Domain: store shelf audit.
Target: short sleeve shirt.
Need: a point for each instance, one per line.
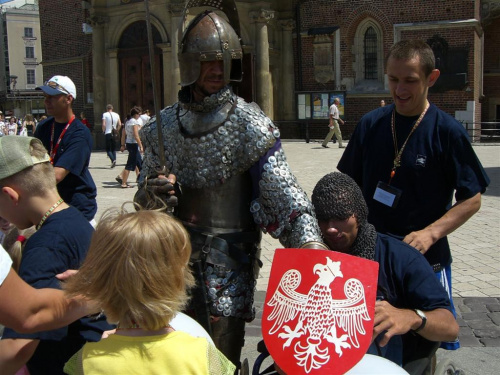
(77, 188)
(129, 129)
(406, 281)
(437, 161)
(111, 119)
(334, 111)
(60, 244)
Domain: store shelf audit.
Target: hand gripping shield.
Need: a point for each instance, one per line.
(319, 310)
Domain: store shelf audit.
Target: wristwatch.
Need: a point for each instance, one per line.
(421, 314)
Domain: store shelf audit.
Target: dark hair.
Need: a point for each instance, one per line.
(135, 111)
(337, 196)
(409, 49)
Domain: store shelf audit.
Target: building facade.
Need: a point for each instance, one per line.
(298, 55)
(21, 52)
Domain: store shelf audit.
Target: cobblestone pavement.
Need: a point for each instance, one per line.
(475, 250)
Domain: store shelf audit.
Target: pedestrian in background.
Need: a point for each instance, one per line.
(85, 121)
(133, 144)
(334, 124)
(111, 125)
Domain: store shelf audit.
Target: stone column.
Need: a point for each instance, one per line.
(114, 81)
(287, 91)
(337, 66)
(166, 69)
(98, 68)
(176, 10)
(262, 76)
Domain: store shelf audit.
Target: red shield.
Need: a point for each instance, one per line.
(319, 309)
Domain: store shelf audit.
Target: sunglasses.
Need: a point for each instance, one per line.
(56, 86)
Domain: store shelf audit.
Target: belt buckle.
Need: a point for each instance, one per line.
(208, 241)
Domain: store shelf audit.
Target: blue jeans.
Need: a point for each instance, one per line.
(110, 147)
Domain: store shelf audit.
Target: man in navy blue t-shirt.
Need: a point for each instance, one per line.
(69, 144)
(409, 159)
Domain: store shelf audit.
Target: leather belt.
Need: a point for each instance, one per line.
(221, 249)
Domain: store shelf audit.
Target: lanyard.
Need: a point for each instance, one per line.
(53, 149)
(397, 154)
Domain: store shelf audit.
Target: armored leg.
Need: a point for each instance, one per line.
(228, 334)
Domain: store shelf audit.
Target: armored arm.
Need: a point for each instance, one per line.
(282, 208)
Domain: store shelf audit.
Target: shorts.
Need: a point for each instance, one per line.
(444, 277)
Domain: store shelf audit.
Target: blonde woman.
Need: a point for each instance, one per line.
(137, 270)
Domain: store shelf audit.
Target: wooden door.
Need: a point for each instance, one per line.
(135, 73)
(136, 82)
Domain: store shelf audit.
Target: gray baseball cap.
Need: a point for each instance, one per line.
(15, 155)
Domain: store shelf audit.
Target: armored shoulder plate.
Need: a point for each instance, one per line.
(207, 159)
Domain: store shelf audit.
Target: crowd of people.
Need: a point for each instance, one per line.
(192, 242)
(24, 126)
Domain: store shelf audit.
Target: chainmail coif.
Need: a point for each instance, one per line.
(337, 196)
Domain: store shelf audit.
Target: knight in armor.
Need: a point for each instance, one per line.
(232, 180)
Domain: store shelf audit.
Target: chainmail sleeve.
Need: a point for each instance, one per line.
(282, 208)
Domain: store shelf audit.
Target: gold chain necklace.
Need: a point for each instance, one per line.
(397, 154)
(49, 212)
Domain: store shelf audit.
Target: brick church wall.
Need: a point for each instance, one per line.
(347, 15)
(66, 49)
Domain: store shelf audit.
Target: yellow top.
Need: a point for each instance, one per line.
(173, 353)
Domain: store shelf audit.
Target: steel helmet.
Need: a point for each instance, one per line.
(209, 37)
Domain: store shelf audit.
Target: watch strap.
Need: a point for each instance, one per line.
(421, 314)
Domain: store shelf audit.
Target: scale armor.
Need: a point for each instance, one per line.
(214, 144)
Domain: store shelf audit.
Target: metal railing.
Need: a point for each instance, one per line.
(483, 132)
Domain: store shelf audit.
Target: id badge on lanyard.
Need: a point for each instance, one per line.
(387, 194)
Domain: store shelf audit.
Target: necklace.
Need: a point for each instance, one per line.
(397, 154)
(49, 212)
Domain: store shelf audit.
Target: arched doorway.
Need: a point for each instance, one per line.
(135, 73)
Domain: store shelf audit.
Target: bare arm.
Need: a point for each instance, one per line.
(441, 324)
(15, 353)
(462, 211)
(60, 173)
(25, 309)
(103, 125)
(124, 138)
(137, 138)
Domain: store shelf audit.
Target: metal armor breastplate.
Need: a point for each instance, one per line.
(222, 209)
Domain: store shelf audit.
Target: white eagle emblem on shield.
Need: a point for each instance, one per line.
(323, 321)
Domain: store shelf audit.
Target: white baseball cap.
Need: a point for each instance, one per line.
(58, 85)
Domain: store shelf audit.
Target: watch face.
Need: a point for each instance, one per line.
(423, 317)
(421, 314)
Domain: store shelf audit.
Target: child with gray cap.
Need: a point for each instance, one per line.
(29, 196)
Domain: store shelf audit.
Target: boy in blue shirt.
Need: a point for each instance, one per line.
(29, 196)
